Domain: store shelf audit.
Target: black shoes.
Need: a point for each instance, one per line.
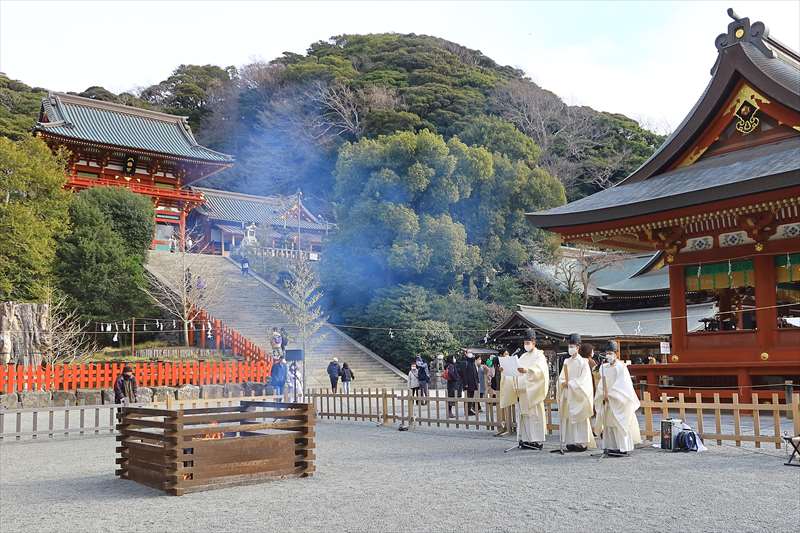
(571, 448)
(616, 453)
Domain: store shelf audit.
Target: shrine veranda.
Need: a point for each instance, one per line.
(378, 479)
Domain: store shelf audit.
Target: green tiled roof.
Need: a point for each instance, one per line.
(246, 208)
(113, 124)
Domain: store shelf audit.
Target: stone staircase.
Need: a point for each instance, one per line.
(247, 304)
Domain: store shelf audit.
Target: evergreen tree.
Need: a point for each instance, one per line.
(97, 269)
(33, 209)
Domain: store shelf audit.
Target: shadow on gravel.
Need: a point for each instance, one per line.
(90, 488)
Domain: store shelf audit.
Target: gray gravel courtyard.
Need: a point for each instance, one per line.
(378, 479)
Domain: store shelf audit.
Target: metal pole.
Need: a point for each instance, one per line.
(789, 384)
(133, 336)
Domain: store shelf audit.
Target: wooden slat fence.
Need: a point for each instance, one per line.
(761, 421)
(17, 378)
(86, 420)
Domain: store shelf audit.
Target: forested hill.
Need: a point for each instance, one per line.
(426, 153)
(285, 120)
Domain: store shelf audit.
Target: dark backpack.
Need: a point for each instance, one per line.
(686, 441)
(422, 374)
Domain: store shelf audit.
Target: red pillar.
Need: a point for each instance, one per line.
(217, 334)
(652, 383)
(182, 229)
(766, 299)
(677, 307)
(744, 382)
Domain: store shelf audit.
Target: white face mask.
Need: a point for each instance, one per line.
(529, 346)
(573, 350)
(611, 357)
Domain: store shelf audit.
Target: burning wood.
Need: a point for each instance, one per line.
(212, 435)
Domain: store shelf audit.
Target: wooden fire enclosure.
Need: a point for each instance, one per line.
(187, 450)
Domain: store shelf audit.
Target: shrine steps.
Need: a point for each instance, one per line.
(247, 304)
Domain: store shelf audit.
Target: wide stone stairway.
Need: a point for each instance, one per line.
(247, 304)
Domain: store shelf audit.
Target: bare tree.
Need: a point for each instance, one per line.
(67, 338)
(186, 288)
(341, 109)
(565, 133)
(304, 312)
(580, 265)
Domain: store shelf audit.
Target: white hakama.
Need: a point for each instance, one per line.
(531, 427)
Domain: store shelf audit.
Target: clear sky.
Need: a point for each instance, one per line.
(648, 60)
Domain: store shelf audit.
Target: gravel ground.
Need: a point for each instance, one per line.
(379, 479)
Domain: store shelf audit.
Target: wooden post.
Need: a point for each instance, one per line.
(217, 333)
(385, 408)
(133, 336)
(677, 307)
(796, 413)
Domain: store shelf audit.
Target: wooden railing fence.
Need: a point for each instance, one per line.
(209, 332)
(761, 421)
(87, 420)
(17, 378)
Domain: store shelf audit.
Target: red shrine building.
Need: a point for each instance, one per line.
(720, 201)
(150, 153)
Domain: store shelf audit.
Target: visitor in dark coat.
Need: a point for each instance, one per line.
(334, 371)
(453, 384)
(470, 379)
(125, 386)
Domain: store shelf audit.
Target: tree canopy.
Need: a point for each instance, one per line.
(100, 268)
(33, 213)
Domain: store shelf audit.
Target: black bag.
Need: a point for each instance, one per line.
(686, 441)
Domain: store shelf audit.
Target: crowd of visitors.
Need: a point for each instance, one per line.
(470, 377)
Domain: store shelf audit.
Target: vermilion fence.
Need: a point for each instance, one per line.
(15, 378)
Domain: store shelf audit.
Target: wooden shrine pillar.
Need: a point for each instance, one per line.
(182, 228)
(766, 299)
(677, 308)
(743, 382)
(217, 333)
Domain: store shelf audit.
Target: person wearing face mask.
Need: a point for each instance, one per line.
(528, 390)
(125, 387)
(575, 400)
(616, 403)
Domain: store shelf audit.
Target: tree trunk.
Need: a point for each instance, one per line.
(23, 332)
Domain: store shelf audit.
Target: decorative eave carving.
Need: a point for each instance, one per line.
(740, 30)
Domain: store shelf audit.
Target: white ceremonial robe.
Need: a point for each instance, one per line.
(616, 419)
(575, 402)
(528, 391)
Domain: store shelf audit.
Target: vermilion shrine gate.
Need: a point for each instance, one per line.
(151, 153)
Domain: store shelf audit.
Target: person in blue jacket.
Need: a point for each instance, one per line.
(278, 379)
(334, 371)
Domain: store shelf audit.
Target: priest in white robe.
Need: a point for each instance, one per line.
(528, 390)
(617, 404)
(575, 396)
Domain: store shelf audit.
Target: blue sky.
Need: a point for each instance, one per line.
(649, 60)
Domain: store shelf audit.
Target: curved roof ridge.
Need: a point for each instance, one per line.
(118, 108)
(745, 52)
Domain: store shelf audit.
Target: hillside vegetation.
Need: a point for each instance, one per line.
(427, 154)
